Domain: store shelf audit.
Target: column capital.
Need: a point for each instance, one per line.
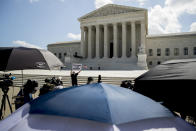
(81, 27)
(90, 26)
(133, 22)
(142, 22)
(115, 24)
(124, 22)
(97, 26)
(105, 25)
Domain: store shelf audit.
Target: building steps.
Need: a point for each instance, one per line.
(67, 79)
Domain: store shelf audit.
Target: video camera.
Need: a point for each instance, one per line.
(30, 86)
(51, 84)
(127, 84)
(6, 81)
(54, 81)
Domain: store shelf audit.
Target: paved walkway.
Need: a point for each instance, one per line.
(92, 73)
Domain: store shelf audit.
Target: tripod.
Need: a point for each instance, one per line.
(3, 101)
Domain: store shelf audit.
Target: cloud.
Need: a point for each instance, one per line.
(193, 26)
(163, 20)
(100, 3)
(141, 2)
(25, 44)
(166, 19)
(182, 6)
(74, 36)
(32, 1)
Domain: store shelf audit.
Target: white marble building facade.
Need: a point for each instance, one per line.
(116, 37)
(113, 31)
(113, 34)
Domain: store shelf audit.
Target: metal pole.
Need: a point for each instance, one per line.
(22, 83)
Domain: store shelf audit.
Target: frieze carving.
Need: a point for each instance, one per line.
(110, 11)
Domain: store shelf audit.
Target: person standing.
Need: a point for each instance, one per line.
(90, 80)
(74, 77)
(99, 79)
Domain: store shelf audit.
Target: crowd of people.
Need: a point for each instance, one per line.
(51, 84)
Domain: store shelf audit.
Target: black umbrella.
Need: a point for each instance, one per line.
(173, 83)
(20, 58)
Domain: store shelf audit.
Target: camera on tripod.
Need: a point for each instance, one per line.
(5, 82)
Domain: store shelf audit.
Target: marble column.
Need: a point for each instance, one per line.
(143, 36)
(115, 37)
(124, 40)
(97, 41)
(82, 46)
(106, 43)
(89, 42)
(133, 41)
(86, 42)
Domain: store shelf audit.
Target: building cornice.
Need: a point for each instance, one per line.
(171, 35)
(65, 42)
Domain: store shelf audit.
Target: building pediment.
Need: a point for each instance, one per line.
(111, 9)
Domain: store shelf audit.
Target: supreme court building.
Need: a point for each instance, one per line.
(115, 37)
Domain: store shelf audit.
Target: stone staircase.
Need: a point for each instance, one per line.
(67, 80)
(107, 63)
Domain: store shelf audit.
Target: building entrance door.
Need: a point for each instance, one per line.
(111, 49)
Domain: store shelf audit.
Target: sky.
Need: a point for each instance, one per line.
(37, 23)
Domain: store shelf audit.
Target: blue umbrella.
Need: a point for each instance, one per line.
(89, 105)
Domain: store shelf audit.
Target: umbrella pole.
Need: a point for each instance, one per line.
(22, 82)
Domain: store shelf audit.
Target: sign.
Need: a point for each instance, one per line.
(76, 66)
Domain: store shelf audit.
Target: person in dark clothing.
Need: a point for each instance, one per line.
(74, 78)
(99, 79)
(25, 95)
(90, 80)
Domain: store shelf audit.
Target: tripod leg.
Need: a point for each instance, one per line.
(2, 107)
(9, 103)
(4, 103)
